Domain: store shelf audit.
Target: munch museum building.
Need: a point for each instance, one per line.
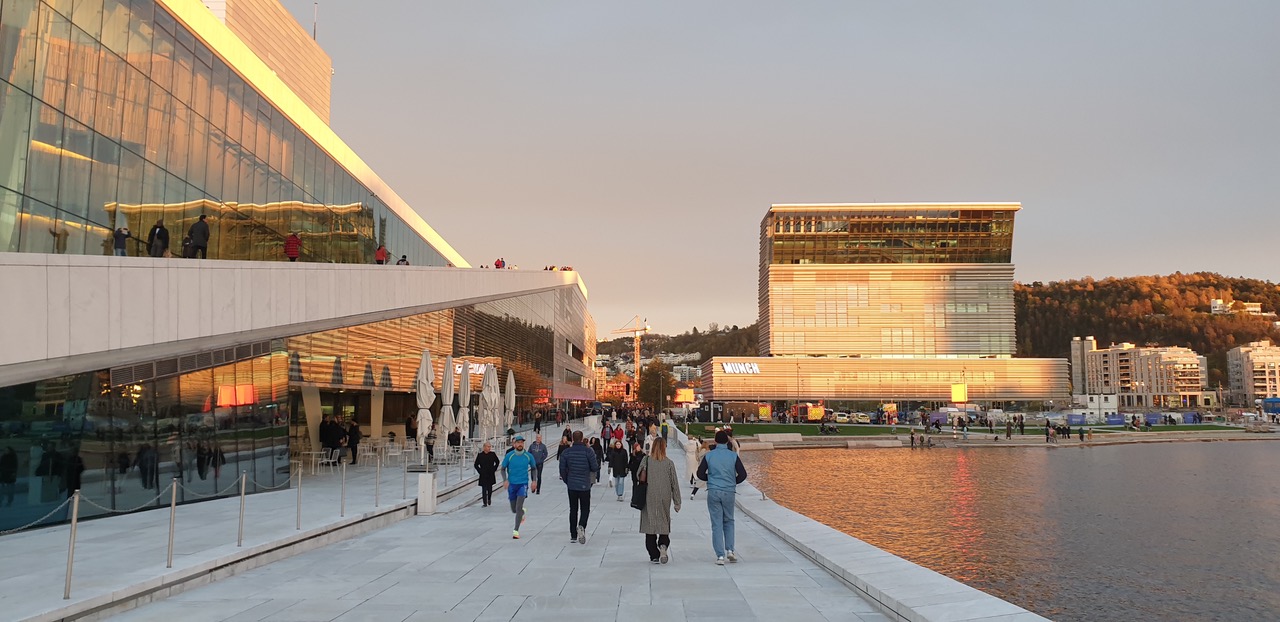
(123, 364)
(886, 302)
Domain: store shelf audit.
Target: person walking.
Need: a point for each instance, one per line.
(596, 447)
(539, 453)
(518, 467)
(353, 439)
(199, 233)
(119, 241)
(694, 452)
(537, 423)
(292, 246)
(380, 256)
(663, 490)
(487, 466)
(577, 465)
(722, 470)
(618, 460)
(158, 239)
(411, 428)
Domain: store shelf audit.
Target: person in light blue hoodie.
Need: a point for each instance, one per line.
(722, 470)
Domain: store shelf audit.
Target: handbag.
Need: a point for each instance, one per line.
(640, 491)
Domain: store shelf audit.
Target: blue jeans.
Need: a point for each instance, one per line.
(720, 507)
(119, 252)
(619, 483)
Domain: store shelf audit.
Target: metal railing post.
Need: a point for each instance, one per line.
(404, 483)
(377, 483)
(298, 525)
(240, 534)
(173, 517)
(71, 545)
(342, 508)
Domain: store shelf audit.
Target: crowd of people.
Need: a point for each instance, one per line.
(633, 448)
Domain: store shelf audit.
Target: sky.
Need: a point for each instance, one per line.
(643, 142)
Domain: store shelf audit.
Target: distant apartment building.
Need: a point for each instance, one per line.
(1079, 348)
(687, 373)
(669, 358)
(1145, 377)
(1218, 306)
(1253, 372)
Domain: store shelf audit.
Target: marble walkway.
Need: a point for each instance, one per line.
(464, 565)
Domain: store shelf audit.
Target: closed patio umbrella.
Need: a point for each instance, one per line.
(490, 402)
(447, 422)
(464, 400)
(511, 398)
(425, 386)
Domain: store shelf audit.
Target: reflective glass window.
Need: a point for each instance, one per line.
(201, 84)
(103, 180)
(179, 139)
(77, 156)
(199, 150)
(87, 15)
(162, 57)
(218, 95)
(19, 20)
(140, 35)
(159, 116)
(130, 180)
(133, 130)
(15, 127)
(214, 164)
(44, 154)
(115, 26)
(110, 107)
(10, 219)
(38, 231)
(71, 235)
(52, 58)
(82, 76)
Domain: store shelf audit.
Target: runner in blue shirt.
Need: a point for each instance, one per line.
(517, 465)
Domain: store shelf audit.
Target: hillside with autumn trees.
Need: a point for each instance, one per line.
(1168, 310)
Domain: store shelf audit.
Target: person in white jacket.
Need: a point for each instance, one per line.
(694, 450)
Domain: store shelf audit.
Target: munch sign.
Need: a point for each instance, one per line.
(740, 368)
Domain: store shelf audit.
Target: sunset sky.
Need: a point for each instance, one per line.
(642, 142)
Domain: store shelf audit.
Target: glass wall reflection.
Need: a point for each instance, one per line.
(123, 444)
(113, 115)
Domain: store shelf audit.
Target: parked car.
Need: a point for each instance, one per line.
(842, 417)
(861, 418)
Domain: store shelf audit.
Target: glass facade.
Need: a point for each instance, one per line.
(887, 234)
(113, 114)
(122, 441)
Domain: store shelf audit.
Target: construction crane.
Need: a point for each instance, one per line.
(636, 328)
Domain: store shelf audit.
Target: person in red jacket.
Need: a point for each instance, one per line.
(380, 255)
(292, 246)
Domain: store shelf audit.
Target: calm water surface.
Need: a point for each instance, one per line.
(1177, 531)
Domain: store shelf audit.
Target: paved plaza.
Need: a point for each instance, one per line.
(464, 565)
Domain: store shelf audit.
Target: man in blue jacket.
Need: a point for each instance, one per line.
(539, 453)
(722, 470)
(518, 465)
(577, 465)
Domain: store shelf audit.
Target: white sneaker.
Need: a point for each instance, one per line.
(720, 561)
(733, 558)
(582, 537)
(663, 557)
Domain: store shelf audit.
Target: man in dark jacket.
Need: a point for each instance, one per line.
(158, 239)
(539, 452)
(200, 238)
(577, 464)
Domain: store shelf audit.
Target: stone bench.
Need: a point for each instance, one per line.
(781, 437)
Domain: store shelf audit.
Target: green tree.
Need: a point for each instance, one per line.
(657, 385)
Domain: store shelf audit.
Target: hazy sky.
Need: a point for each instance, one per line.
(643, 141)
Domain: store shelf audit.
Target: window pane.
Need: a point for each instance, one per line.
(140, 35)
(18, 23)
(179, 140)
(46, 145)
(103, 180)
(110, 95)
(68, 233)
(218, 97)
(37, 228)
(82, 78)
(133, 129)
(77, 147)
(158, 116)
(115, 26)
(183, 67)
(10, 213)
(52, 58)
(200, 95)
(15, 130)
(162, 57)
(87, 14)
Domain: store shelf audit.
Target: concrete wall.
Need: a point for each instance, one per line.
(71, 313)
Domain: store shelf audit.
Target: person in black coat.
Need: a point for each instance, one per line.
(353, 439)
(158, 239)
(637, 457)
(599, 449)
(618, 464)
(487, 466)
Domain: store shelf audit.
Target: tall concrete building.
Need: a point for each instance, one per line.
(1080, 348)
(1253, 372)
(884, 301)
(127, 361)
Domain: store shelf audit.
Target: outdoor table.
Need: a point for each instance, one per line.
(313, 457)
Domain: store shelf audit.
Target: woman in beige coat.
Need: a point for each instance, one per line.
(695, 449)
(664, 489)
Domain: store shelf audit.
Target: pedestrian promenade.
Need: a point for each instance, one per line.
(122, 557)
(464, 565)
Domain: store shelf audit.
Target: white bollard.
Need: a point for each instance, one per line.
(426, 493)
